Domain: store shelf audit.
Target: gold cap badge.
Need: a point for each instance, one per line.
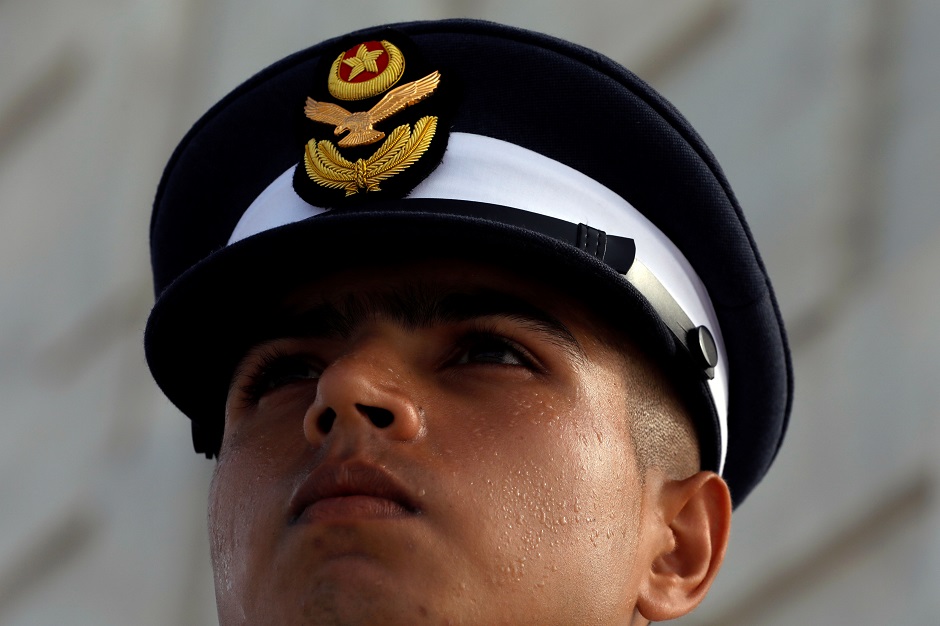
(364, 71)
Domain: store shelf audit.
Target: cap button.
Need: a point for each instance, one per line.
(703, 349)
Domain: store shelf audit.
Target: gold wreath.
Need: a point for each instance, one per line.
(327, 167)
(377, 84)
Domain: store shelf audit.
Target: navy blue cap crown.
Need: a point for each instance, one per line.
(323, 120)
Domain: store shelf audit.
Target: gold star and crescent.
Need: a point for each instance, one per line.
(365, 70)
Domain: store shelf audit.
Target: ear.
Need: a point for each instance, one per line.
(692, 519)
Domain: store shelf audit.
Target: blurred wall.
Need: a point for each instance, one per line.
(825, 116)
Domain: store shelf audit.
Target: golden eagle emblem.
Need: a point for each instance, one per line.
(360, 124)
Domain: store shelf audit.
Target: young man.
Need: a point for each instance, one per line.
(474, 326)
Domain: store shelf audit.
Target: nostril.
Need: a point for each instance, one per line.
(380, 418)
(325, 421)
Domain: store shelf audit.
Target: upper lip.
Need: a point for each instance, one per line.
(351, 478)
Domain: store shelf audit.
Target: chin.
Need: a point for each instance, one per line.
(348, 592)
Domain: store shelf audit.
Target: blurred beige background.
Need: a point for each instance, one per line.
(825, 116)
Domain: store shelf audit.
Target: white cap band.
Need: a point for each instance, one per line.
(483, 169)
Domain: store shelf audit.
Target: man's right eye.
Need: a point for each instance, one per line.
(274, 371)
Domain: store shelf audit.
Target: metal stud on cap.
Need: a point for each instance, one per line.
(703, 349)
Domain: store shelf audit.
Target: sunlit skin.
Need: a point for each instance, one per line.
(507, 433)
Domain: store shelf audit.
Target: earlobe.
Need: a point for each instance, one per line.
(693, 519)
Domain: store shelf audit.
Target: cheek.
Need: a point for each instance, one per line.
(242, 512)
(221, 541)
(549, 491)
(229, 522)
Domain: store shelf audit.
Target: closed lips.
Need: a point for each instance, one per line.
(351, 490)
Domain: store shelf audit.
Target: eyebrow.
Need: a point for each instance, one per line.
(417, 306)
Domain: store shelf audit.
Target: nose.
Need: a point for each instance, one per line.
(363, 393)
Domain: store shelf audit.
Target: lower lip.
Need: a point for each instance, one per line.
(350, 508)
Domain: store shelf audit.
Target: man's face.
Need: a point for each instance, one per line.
(444, 444)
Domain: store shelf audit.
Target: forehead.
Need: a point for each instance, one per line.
(410, 290)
